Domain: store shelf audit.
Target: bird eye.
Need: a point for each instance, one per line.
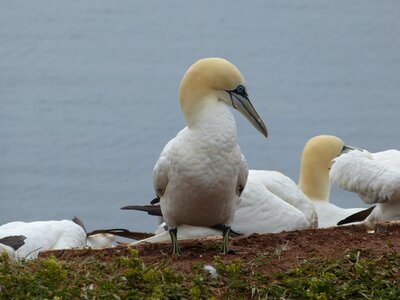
(240, 89)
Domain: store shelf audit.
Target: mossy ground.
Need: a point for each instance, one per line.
(355, 274)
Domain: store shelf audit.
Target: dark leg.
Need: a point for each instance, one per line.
(175, 248)
(225, 239)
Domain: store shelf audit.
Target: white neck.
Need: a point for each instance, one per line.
(214, 119)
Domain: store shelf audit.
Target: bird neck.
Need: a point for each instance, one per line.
(210, 117)
(314, 181)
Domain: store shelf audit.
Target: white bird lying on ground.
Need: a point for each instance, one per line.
(314, 181)
(44, 235)
(272, 202)
(27, 239)
(375, 177)
(201, 172)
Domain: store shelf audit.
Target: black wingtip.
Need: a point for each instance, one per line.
(123, 233)
(78, 221)
(153, 210)
(156, 200)
(13, 241)
(357, 217)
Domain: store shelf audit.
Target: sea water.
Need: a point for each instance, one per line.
(89, 92)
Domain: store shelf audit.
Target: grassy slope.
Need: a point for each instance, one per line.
(354, 275)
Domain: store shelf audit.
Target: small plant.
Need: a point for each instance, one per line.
(280, 249)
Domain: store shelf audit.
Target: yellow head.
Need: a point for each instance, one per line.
(316, 161)
(216, 79)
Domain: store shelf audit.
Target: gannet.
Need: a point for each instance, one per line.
(44, 235)
(272, 202)
(375, 177)
(27, 239)
(201, 172)
(314, 181)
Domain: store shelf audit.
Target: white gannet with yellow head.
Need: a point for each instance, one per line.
(201, 172)
(316, 161)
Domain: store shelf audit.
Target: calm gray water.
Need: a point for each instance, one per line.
(89, 92)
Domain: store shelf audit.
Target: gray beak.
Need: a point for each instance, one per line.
(243, 105)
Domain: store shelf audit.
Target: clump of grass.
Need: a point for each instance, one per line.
(125, 277)
(350, 277)
(355, 275)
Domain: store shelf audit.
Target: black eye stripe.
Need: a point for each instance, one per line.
(233, 103)
(240, 90)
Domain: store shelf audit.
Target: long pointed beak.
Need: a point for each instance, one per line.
(244, 106)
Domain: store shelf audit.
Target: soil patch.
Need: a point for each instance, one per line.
(289, 249)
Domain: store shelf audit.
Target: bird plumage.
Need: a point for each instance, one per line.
(375, 177)
(44, 235)
(201, 172)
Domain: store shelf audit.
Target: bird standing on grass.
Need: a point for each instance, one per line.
(201, 172)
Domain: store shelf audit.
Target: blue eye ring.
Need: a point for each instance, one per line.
(240, 89)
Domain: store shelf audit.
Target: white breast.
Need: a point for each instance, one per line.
(202, 166)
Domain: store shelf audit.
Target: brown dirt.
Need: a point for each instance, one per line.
(289, 248)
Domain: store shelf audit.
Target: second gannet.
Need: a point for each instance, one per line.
(314, 181)
(44, 235)
(27, 239)
(201, 172)
(375, 177)
(272, 202)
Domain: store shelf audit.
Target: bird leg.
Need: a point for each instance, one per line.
(225, 239)
(174, 239)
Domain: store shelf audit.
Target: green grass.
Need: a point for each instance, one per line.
(346, 278)
(355, 275)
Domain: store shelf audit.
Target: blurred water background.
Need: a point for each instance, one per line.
(89, 92)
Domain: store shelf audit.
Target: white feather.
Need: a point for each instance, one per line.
(45, 235)
(375, 177)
